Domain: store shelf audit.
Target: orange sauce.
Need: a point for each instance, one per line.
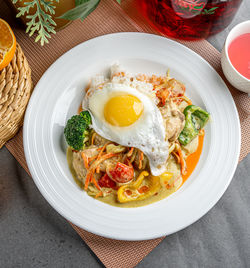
(193, 159)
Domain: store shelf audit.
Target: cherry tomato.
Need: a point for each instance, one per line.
(121, 173)
(106, 182)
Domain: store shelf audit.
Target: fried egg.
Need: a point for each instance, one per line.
(129, 117)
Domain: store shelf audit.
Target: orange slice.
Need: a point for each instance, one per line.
(7, 44)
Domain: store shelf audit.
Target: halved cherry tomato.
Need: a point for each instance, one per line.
(121, 173)
(106, 182)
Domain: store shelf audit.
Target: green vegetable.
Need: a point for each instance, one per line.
(41, 22)
(77, 130)
(86, 116)
(40, 15)
(196, 119)
(81, 11)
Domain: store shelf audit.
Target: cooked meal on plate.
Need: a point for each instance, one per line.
(136, 139)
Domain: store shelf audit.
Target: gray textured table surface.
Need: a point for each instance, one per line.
(32, 234)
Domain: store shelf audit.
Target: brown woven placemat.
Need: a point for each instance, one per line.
(113, 253)
(15, 91)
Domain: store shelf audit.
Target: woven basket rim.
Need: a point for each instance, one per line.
(15, 90)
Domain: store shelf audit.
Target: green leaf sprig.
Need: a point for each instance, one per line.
(41, 22)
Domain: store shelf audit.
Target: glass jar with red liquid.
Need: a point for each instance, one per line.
(189, 19)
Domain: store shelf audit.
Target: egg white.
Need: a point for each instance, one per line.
(146, 134)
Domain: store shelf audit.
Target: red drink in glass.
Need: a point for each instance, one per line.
(189, 19)
(239, 54)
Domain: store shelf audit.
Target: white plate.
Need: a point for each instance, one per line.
(57, 97)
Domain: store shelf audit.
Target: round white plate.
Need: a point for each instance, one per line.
(57, 97)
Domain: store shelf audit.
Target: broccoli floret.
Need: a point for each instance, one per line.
(77, 130)
(87, 117)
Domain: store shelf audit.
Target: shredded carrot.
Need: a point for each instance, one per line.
(93, 138)
(98, 169)
(102, 150)
(101, 159)
(140, 160)
(93, 166)
(91, 177)
(130, 152)
(99, 194)
(182, 162)
(132, 158)
(201, 132)
(99, 155)
(85, 160)
(88, 177)
(177, 157)
(95, 183)
(92, 158)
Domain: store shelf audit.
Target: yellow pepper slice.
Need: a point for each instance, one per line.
(134, 195)
(165, 178)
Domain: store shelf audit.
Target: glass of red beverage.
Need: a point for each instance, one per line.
(189, 19)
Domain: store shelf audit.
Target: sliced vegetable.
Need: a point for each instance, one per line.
(134, 191)
(102, 150)
(93, 166)
(99, 194)
(140, 160)
(196, 118)
(121, 173)
(93, 138)
(85, 160)
(177, 157)
(112, 148)
(95, 183)
(165, 177)
(106, 182)
(130, 152)
(182, 162)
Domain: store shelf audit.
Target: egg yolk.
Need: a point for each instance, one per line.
(123, 110)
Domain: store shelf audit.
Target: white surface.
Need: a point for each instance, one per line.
(60, 91)
(233, 76)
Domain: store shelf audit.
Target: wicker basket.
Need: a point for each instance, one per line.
(15, 90)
